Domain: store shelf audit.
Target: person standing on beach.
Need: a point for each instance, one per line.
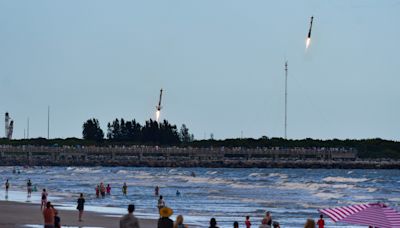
(57, 220)
(48, 215)
(129, 220)
(164, 221)
(29, 187)
(321, 222)
(44, 199)
(80, 207)
(124, 189)
(213, 223)
(179, 222)
(160, 203)
(7, 186)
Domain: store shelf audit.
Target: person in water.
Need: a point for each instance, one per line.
(178, 193)
(124, 189)
(156, 190)
(102, 190)
(97, 191)
(108, 189)
(7, 186)
(160, 203)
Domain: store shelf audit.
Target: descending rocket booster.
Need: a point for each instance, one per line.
(158, 107)
(309, 31)
(308, 40)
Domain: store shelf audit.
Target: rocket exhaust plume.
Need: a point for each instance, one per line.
(308, 40)
(157, 115)
(158, 107)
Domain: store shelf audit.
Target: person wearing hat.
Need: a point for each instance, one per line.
(165, 221)
(129, 220)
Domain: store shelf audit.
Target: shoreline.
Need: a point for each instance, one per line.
(20, 214)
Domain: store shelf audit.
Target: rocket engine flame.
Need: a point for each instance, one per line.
(157, 115)
(308, 41)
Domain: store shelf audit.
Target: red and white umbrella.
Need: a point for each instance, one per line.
(373, 214)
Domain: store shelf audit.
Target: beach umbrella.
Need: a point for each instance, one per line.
(372, 214)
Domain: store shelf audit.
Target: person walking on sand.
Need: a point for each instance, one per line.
(29, 187)
(80, 207)
(44, 199)
(7, 186)
(124, 189)
(129, 220)
(48, 216)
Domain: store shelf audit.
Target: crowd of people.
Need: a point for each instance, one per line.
(130, 221)
(51, 218)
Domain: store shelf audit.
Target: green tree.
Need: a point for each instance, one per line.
(184, 134)
(92, 131)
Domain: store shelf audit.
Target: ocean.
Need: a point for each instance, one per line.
(291, 195)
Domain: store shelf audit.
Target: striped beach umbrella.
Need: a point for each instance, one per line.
(373, 214)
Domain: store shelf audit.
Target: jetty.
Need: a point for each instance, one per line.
(154, 156)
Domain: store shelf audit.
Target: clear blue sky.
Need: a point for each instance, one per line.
(220, 63)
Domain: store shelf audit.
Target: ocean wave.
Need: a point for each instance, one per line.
(327, 196)
(344, 179)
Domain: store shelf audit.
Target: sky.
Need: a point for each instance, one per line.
(220, 64)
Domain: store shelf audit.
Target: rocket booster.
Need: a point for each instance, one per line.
(159, 101)
(309, 31)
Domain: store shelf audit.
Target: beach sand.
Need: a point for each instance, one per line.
(15, 214)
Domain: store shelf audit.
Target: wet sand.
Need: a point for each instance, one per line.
(15, 214)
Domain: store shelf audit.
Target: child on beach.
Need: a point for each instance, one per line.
(44, 199)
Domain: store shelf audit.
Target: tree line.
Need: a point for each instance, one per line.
(152, 132)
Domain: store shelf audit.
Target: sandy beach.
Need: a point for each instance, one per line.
(16, 214)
